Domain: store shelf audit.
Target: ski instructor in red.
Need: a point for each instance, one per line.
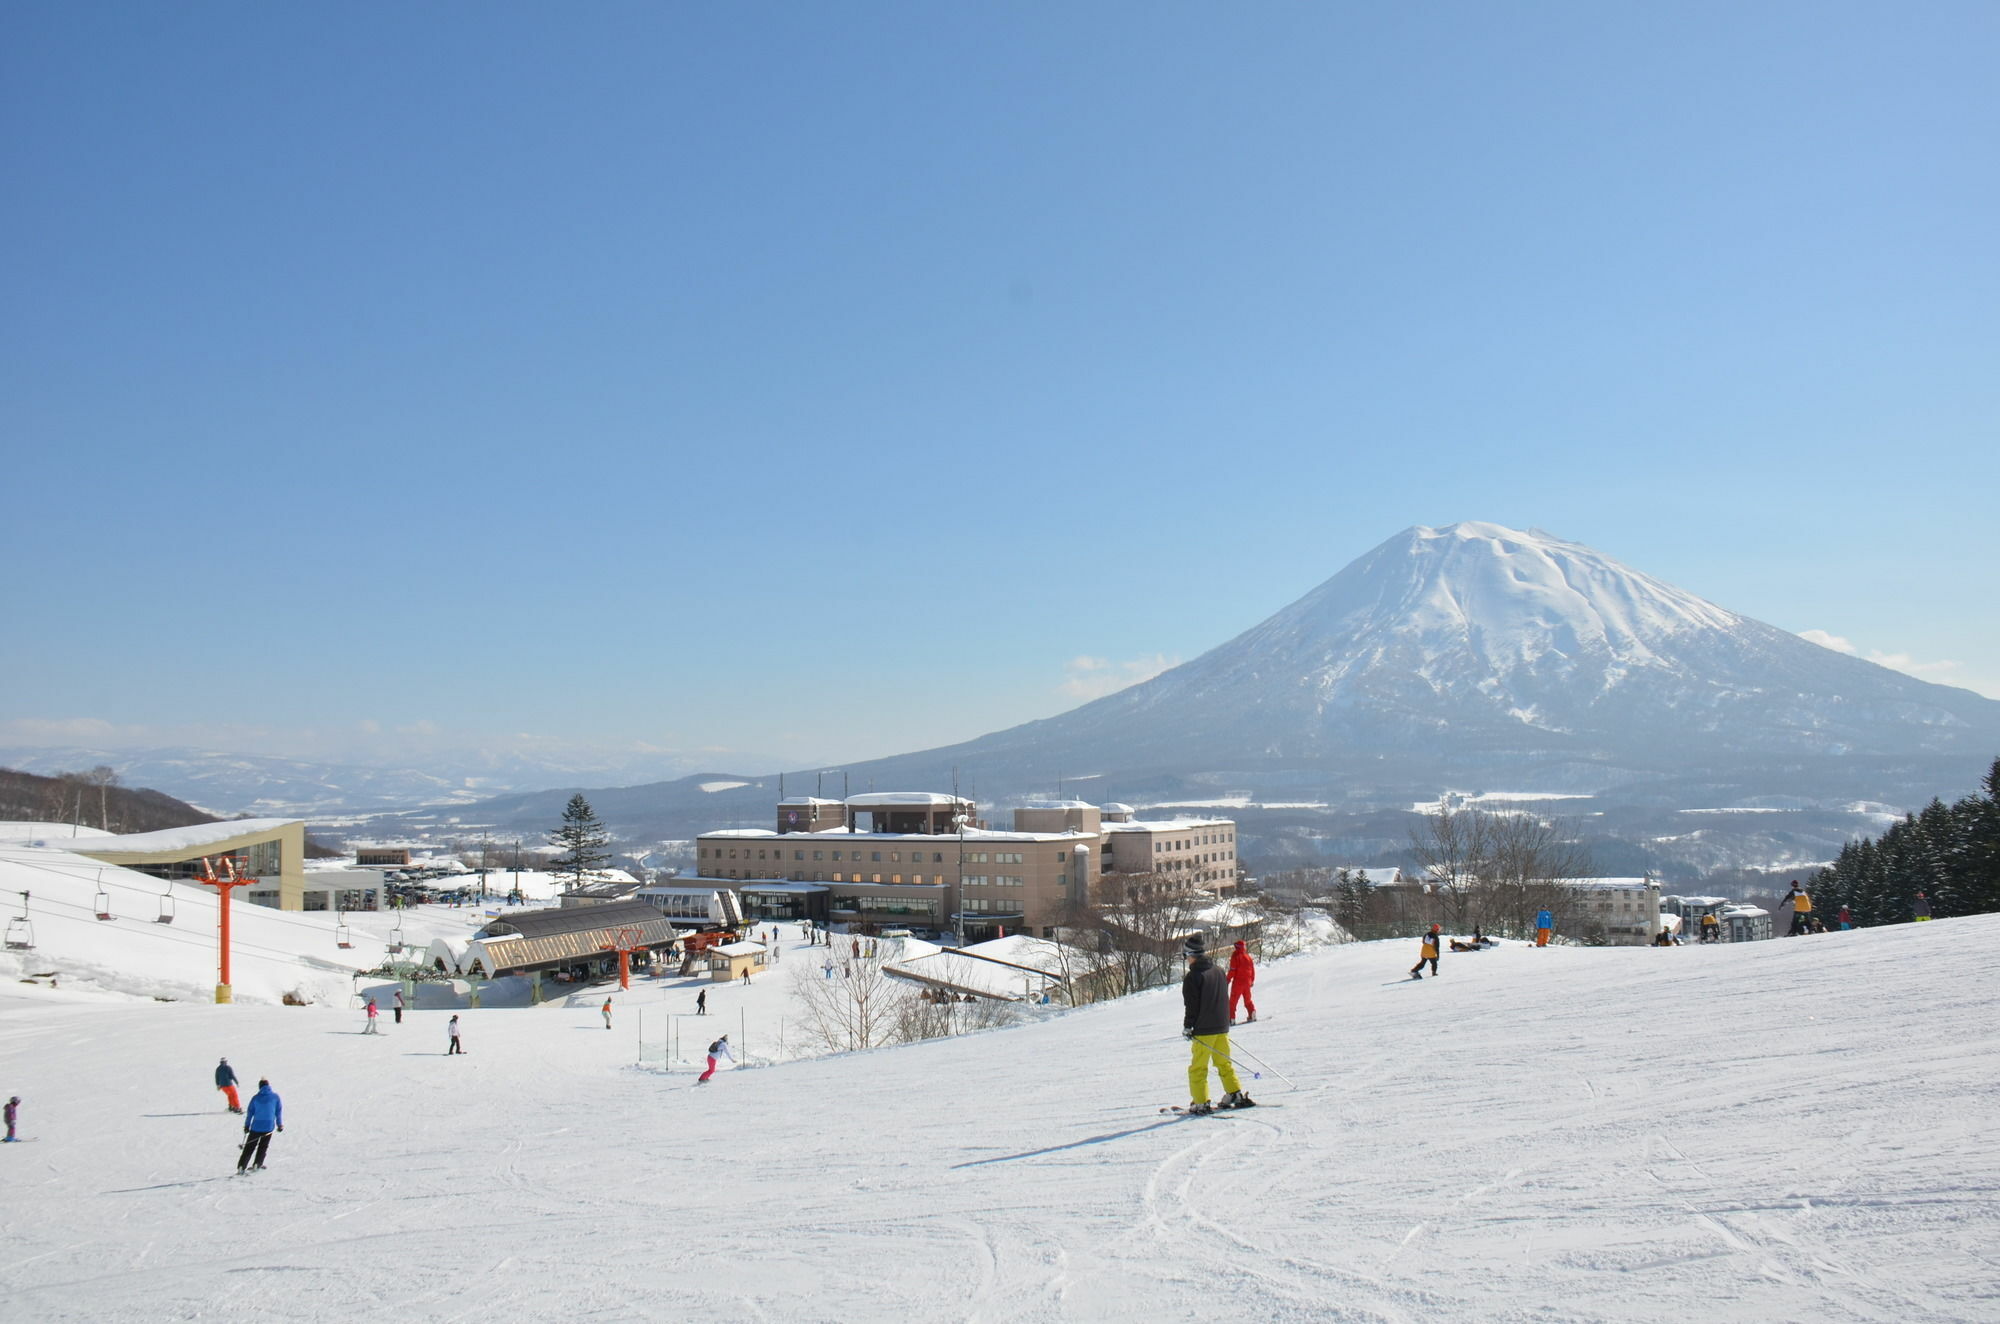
(1242, 974)
(1205, 1023)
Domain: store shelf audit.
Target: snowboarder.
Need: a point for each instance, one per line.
(1923, 909)
(398, 1009)
(373, 1028)
(267, 1114)
(701, 1003)
(1242, 974)
(451, 1029)
(607, 1013)
(1545, 924)
(720, 1048)
(1801, 910)
(1205, 1025)
(1711, 928)
(1428, 952)
(12, 1113)
(225, 1080)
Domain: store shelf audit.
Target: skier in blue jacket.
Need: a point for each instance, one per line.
(265, 1115)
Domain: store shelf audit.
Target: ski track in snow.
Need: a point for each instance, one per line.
(1547, 1137)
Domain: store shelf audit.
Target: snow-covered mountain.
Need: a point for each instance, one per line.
(1478, 655)
(1469, 658)
(1476, 638)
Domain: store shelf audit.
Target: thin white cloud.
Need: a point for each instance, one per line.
(1942, 672)
(1825, 640)
(1094, 677)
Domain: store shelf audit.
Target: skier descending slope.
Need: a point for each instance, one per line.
(718, 1049)
(266, 1114)
(1205, 1024)
(1242, 974)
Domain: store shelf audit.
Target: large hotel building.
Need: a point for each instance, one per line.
(925, 861)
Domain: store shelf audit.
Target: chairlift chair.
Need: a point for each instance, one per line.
(396, 938)
(166, 915)
(341, 937)
(20, 933)
(103, 903)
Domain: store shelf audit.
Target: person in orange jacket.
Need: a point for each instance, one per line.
(1428, 952)
(1242, 974)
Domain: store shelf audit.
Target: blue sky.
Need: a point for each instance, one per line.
(382, 377)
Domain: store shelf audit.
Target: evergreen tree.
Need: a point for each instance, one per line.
(1949, 852)
(582, 840)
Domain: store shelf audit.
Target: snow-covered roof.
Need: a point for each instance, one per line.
(1621, 883)
(969, 971)
(744, 948)
(190, 838)
(53, 833)
(806, 800)
(1058, 804)
(883, 798)
(750, 832)
(1167, 824)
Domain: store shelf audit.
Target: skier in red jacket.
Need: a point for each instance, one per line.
(1242, 974)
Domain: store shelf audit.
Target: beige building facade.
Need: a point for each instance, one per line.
(924, 860)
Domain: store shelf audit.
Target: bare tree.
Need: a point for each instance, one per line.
(859, 1006)
(1452, 846)
(1492, 872)
(1136, 928)
(104, 778)
(1531, 863)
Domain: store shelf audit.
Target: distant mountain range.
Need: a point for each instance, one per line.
(262, 785)
(1474, 659)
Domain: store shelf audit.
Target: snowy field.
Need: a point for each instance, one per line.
(1558, 1135)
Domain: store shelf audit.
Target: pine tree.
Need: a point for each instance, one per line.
(1949, 852)
(582, 840)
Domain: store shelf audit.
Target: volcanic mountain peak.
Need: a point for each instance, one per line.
(1507, 597)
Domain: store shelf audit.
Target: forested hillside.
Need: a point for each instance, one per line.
(1951, 853)
(92, 799)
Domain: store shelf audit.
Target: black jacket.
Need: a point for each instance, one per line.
(1205, 998)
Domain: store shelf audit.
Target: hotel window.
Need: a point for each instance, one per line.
(817, 855)
(876, 856)
(798, 855)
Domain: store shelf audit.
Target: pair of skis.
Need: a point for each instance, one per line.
(1182, 1111)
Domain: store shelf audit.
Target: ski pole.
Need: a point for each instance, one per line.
(1233, 1049)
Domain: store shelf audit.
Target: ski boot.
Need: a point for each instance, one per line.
(1202, 1109)
(1237, 1099)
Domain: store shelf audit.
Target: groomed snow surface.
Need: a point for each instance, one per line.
(1797, 1130)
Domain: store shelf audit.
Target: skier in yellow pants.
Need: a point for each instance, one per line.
(1205, 1023)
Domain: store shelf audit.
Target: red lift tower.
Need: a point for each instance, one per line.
(223, 883)
(628, 942)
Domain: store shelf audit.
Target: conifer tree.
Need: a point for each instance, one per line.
(583, 841)
(1949, 852)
